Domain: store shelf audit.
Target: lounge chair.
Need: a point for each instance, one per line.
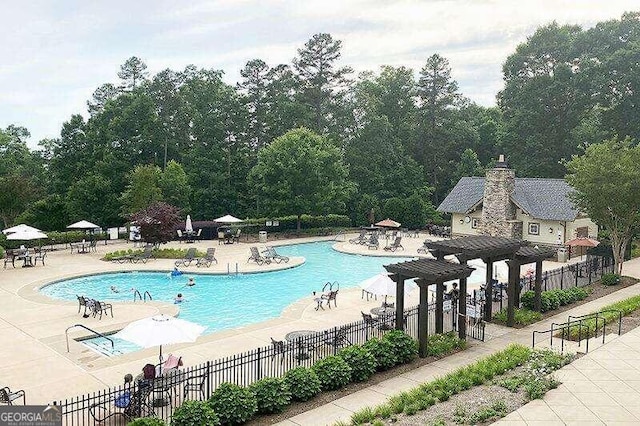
(257, 257)
(395, 245)
(207, 259)
(144, 256)
(373, 242)
(7, 397)
(189, 257)
(138, 406)
(424, 249)
(360, 238)
(271, 253)
(98, 307)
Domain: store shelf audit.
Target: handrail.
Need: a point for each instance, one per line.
(619, 312)
(146, 293)
(66, 333)
(595, 315)
(564, 327)
(136, 292)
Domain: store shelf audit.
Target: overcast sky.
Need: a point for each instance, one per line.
(56, 53)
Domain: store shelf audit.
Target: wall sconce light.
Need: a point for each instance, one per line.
(461, 221)
(551, 230)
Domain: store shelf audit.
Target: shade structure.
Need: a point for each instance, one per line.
(227, 219)
(583, 242)
(160, 330)
(19, 228)
(388, 223)
(26, 235)
(383, 285)
(83, 224)
(188, 226)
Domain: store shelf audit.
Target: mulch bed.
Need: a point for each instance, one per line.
(597, 291)
(327, 397)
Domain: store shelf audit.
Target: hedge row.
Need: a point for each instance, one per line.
(610, 313)
(553, 299)
(306, 222)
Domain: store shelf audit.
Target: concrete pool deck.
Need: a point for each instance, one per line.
(32, 326)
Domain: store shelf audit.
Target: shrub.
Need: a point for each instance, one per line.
(610, 279)
(147, 421)
(333, 372)
(361, 361)
(194, 413)
(383, 352)
(442, 344)
(233, 404)
(552, 299)
(625, 306)
(405, 348)
(303, 383)
(522, 316)
(272, 395)
(1, 252)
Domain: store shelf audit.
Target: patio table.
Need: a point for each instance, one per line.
(27, 260)
(297, 337)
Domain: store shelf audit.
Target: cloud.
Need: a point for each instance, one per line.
(56, 54)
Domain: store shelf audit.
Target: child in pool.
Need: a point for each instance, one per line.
(114, 289)
(191, 282)
(178, 298)
(176, 272)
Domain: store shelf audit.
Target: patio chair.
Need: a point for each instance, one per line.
(39, 255)
(10, 257)
(165, 386)
(208, 258)
(369, 320)
(274, 256)
(279, 348)
(195, 384)
(236, 236)
(395, 245)
(332, 295)
(189, 257)
(138, 406)
(360, 238)
(257, 257)
(424, 249)
(373, 242)
(83, 302)
(7, 397)
(144, 256)
(198, 234)
(100, 307)
(180, 236)
(338, 338)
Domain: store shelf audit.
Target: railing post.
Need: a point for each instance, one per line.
(209, 379)
(259, 366)
(561, 276)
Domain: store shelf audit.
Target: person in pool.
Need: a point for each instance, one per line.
(191, 282)
(176, 272)
(178, 298)
(114, 289)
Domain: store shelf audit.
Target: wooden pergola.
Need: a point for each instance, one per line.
(426, 272)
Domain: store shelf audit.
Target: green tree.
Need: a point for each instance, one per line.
(91, 197)
(133, 72)
(49, 213)
(300, 173)
(469, 165)
(101, 96)
(143, 189)
(255, 83)
(394, 208)
(175, 186)
(607, 183)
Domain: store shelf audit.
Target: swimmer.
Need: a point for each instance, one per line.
(114, 289)
(178, 298)
(176, 272)
(191, 282)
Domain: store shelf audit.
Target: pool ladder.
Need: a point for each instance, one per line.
(143, 298)
(66, 333)
(229, 269)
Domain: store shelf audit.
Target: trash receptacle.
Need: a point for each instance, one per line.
(262, 236)
(562, 254)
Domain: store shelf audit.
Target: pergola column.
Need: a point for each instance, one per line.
(488, 292)
(462, 306)
(423, 318)
(537, 300)
(439, 307)
(399, 279)
(512, 288)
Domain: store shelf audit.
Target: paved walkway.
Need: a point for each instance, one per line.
(498, 338)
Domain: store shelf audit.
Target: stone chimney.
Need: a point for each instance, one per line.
(498, 212)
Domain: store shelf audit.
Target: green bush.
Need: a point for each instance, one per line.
(272, 395)
(306, 222)
(194, 413)
(1, 252)
(147, 421)
(405, 348)
(610, 279)
(522, 316)
(164, 253)
(233, 404)
(333, 372)
(442, 344)
(383, 352)
(625, 306)
(361, 361)
(303, 383)
(552, 299)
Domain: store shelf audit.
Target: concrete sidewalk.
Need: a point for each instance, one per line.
(497, 338)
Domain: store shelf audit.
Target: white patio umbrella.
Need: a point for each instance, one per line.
(160, 330)
(26, 235)
(83, 224)
(228, 219)
(188, 226)
(19, 228)
(383, 285)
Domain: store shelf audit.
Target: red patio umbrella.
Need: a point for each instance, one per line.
(388, 223)
(582, 242)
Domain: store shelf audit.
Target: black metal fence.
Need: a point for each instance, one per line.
(159, 397)
(575, 275)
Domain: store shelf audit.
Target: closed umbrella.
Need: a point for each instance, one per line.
(188, 226)
(383, 285)
(388, 223)
(19, 228)
(227, 219)
(160, 330)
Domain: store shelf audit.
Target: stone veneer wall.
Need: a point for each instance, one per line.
(497, 208)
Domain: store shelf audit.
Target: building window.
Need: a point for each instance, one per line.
(534, 229)
(475, 223)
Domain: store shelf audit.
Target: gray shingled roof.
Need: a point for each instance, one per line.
(541, 198)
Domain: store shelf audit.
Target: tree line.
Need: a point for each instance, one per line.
(312, 137)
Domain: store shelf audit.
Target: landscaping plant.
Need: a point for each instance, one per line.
(272, 395)
(361, 361)
(610, 279)
(442, 344)
(522, 316)
(383, 352)
(194, 413)
(610, 313)
(233, 404)
(303, 383)
(333, 372)
(405, 348)
(147, 421)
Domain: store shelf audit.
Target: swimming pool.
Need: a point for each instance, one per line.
(221, 302)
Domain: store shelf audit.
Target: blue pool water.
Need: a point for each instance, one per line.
(222, 302)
